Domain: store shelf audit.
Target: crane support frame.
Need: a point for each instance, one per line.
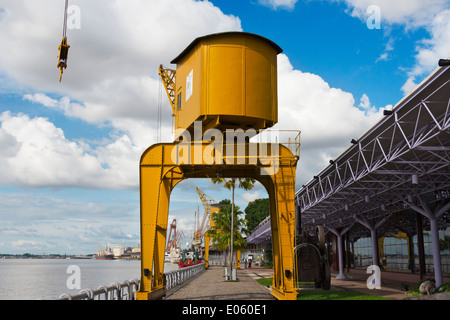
(224, 82)
(160, 173)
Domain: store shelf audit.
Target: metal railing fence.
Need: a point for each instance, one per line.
(127, 289)
(116, 291)
(178, 277)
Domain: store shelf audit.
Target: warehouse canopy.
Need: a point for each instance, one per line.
(403, 160)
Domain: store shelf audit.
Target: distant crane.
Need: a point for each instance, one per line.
(210, 206)
(174, 241)
(207, 202)
(63, 47)
(197, 237)
(173, 227)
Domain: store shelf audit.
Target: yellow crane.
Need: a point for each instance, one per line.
(168, 78)
(174, 242)
(224, 84)
(401, 235)
(211, 207)
(63, 47)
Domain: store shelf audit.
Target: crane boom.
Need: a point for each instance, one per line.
(168, 79)
(173, 227)
(207, 202)
(178, 235)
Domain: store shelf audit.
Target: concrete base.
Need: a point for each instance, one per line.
(233, 275)
(157, 294)
(279, 295)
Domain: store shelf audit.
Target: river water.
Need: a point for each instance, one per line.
(46, 279)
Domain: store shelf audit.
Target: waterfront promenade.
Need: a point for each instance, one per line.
(211, 285)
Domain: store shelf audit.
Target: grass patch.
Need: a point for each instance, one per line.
(268, 282)
(326, 294)
(265, 281)
(415, 290)
(444, 288)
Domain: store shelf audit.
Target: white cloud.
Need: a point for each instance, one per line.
(250, 196)
(386, 54)
(22, 243)
(409, 85)
(113, 59)
(275, 4)
(429, 51)
(432, 15)
(365, 102)
(64, 104)
(42, 99)
(411, 13)
(10, 232)
(40, 221)
(111, 79)
(383, 57)
(327, 117)
(39, 155)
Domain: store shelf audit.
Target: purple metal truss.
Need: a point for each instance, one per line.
(403, 162)
(262, 233)
(405, 155)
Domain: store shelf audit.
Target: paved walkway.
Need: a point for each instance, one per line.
(391, 289)
(211, 285)
(393, 284)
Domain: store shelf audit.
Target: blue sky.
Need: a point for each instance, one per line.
(70, 151)
(321, 38)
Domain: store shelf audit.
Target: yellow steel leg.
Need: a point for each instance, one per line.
(157, 182)
(238, 259)
(207, 251)
(282, 208)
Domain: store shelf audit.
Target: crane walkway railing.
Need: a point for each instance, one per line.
(127, 289)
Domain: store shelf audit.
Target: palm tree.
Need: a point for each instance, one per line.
(242, 183)
(221, 232)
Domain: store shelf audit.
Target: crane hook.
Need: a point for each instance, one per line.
(63, 55)
(63, 47)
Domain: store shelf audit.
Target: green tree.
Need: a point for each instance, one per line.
(256, 212)
(445, 243)
(221, 232)
(232, 184)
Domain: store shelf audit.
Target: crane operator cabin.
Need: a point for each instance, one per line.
(227, 81)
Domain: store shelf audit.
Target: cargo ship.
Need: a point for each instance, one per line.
(173, 256)
(189, 263)
(104, 254)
